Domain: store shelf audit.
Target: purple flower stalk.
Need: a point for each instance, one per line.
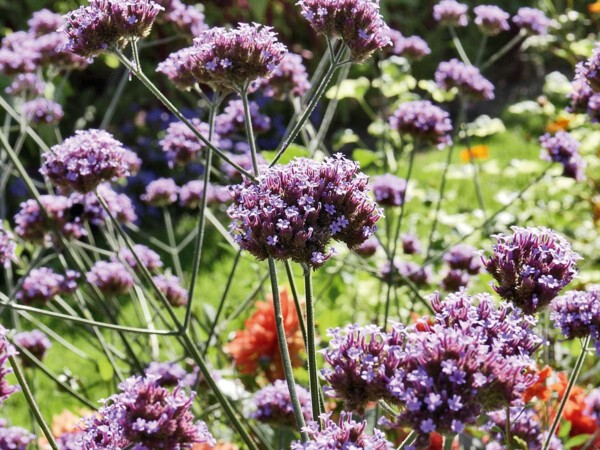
(147, 257)
(230, 59)
(368, 248)
(14, 438)
(452, 13)
(40, 286)
(161, 192)
(35, 342)
(7, 247)
(180, 144)
(592, 72)
(42, 111)
(464, 257)
(273, 404)
(147, 416)
(467, 79)
(532, 20)
(294, 210)
(358, 23)
(406, 270)
(175, 68)
(491, 19)
(563, 148)
(411, 47)
(577, 314)
(6, 350)
(389, 190)
(231, 120)
(171, 288)
(111, 278)
(27, 85)
(85, 160)
(104, 24)
(411, 244)
(531, 266)
(348, 434)
(289, 79)
(362, 361)
(423, 121)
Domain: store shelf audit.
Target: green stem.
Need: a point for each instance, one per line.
(448, 441)
(508, 433)
(250, 130)
(285, 353)
(408, 440)
(481, 50)
(290, 277)
(311, 347)
(503, 51)
(459, 48)
(571, 383)
(172, 242)
(31, 402)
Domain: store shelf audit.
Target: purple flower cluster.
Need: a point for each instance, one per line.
(491, 19)
(452, 13)
(120, 206)
(273, 404)
(186, 18)
(42, 111)
(171, 374)
(14, 438)
(111, 278)
(358, 23)
(531, 266)
(7, 247)
(175, 68)
(104, 24)
(348, 434)
(410, 47)
(171, 288)
(582, 97)
(35, 342)
(45, 21)
(368, 248)
(563, 148)
(243, 160)
(180, 144)
(532, 20)
(454, 280)
(27, 85)
(148, 257)
(577, 314)
(593, 404)
(191, 194)
(362, 361)
(161, 192)
(463, 257)
(231, 120)
(467, 79)
(6, 350)
(406, 270)
(389, 190)
(85, 160)
(147, 416)
(42, 284)
(592, 72)
(294, 210)
(230, 59)
(423, 121)
(411, 244)
(289, 79)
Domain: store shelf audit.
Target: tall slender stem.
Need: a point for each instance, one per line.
(459, 48)
(571, 383)
(250, 130)
(311, 348)
(408, 440)
(285, 353)
(503, 51)
(172, 242)
(438, 206)
(448, 441)
(292, 282)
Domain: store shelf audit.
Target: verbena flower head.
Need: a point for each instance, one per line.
(111, 278)
(187, 18)
(40, 286)
(231, 120)
(288, 79)
(406, 270)
(245, 162)
(347, 434)
(88, 207)
(273, 404)
(147, 257)
(563, 148)
(593, 404)
(192, 193)
(170, 286)
(35, 342)
(14, 438)
(411, 244)
(454, 280)
(389, 190)
(451, 12)
(463, 257)
(411, 47)
(358, 23)
(368, 248)
(362, 361)
(180, 144)
(467, 79)
(531, 266)
(161, 192)
(423, 121)
(175, 68)
(582, 97)
(592, 72)
(532, 20)
(28, 85)
(45, 21)
(491, 19)
(19, 53)
(6, 350)
(7, 247)
(103, 24)
(42, 111)
(170, 374)
(577, 314)
(85, 160)
(294, 210)
(230, 59)
(147, 416)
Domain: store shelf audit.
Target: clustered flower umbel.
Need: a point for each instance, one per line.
(148, 257)
(90, 209)
(467, 79)
(231, 120)
(463, 260)
(347, 434)
(192, 193)
(592, 70)
(577, 314)
(491, 19)
(593, 404)
(42, 111)
(389, 190)
(273, 404)
(424, 121)
(7, 247)
(289, 79)
(410, 47)
(171, 374)
(294, 210)
(35, 342)
(111, 278)
(531, 266)
(161, 192)
(451, 12)
(170, 286)
(6, 350)
(180, 144)
(187, 18)
(43, 284)
(147, 416)
(582, 97)
(27, 85)
(399, 271)
(85, 160)
(104, 24)
(563, 148)
(14, 438)
(358, 23)
(532, 20)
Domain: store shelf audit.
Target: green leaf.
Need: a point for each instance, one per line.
(105, 369)
(564, 429)
(364, 157)
(576, 441)
(520, 442)
(349, 89)
(293, 151)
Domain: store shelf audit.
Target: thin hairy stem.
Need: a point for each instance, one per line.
(311, 347)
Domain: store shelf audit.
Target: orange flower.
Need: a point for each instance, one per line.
(560, 124)
(255, 347)
(575, 409)
(475, 152)
(540, 389)
(594, 7)
(65, 422)
(219, 446)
